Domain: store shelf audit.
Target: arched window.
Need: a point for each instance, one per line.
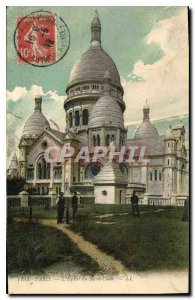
(160, 176)
(39, 171)
(85, 117)
(70, 119)
(151, 176)
(92, 170)
(123, 169)
(44, 169)
(155, 175)
(113, 137)
(107, 140)
(168, 162)
(94, 140)
(48, 171)
(98, 140)
(77, 118)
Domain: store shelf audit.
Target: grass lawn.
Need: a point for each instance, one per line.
(31, 247)
(155, 241)
(84, 210)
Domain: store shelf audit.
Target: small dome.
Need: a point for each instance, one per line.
(106, 110)
(170, 134)
(146, 130)
(37, 122)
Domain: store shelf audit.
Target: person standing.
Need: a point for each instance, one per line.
(61, 207)
(134, 202)
(74, 205)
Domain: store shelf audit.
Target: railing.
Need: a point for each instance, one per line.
(180, 201)
(159, 201)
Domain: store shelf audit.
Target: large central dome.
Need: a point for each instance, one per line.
(93, 64)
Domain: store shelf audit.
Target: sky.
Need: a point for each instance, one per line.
(149, 46)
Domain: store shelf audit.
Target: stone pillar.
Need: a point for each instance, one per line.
(63, 177)
(173, 199)
(178, 181)
(53, 196)
(35, 175)
(51, 176)
(24, 198)
(118, 146)
(102, 142)
(145, 198)
(81, 116)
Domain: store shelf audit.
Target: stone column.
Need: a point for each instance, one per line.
(53, 196)
(173, 199)
(35, 175)
(24, 198)
(103, 137)
(63, 176)
(51, 176)
(118, 139)
(81, 116)
(145, 198)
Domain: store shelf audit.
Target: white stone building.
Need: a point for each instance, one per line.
(94, 116)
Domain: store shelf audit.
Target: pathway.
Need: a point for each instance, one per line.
(107, 263)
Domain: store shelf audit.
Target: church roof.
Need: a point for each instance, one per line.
(106, 110)
(37, 122)
(146, 129)
(154, 146)
(110, 173)
(60, 135)
(92, 64)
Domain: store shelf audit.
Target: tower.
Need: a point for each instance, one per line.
(169, 168)
(85, 86)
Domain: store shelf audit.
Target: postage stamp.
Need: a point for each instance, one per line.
(41, 39)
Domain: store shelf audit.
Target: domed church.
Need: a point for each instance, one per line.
(94, 110)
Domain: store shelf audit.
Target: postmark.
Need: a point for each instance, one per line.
(41, 39)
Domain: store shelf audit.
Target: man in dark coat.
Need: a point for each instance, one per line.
(134, 202)
(61, 207)
(74, 205)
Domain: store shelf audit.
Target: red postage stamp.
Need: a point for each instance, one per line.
(36, 39)
(41, 38)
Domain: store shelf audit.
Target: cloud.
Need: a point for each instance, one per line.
(165, 82)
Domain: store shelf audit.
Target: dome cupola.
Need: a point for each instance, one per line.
(88, 72)
(37, 122)
(106, 110)
(146, 130)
